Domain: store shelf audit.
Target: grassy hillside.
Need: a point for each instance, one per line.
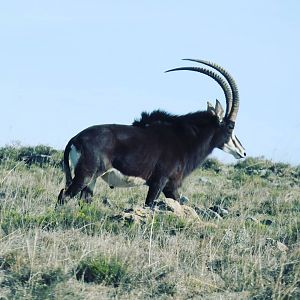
(249, 250)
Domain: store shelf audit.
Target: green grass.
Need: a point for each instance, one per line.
(86, 252)
(101, 269)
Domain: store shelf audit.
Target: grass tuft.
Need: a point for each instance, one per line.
(101, 269)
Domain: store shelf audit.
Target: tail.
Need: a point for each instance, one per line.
(67, 169)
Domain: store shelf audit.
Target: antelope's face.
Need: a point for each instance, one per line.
(232, 146)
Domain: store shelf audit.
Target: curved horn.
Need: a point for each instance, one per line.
(233, 107)
(213, 75)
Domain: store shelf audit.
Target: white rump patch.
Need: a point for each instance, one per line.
(115, 178)
(74, 156)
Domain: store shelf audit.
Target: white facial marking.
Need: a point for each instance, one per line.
(115, 178)
(234, 147)
(74, 156)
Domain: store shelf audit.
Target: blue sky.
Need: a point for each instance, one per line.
(66, 65)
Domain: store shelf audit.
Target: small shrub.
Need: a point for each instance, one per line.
(19, 276)
(7, 261)
(239, 178)
(291, 234)
(226, 200)
(52, 276)
(253, 164)
(296, 172)
(212, 164)
(165, 288)
(44, 283)
(266, 168)
(269, 207)
(170, 223)
(101, 269)
(39, 155)
(16, 278)
(281, 169)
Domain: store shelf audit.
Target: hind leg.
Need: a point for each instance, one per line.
(79, 182)
(71, 191)
(87, 192)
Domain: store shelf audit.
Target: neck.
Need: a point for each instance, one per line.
(200, 146)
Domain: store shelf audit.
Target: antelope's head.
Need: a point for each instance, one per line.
(227, 140)
(231, 144)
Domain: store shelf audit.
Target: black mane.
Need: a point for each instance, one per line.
(162, 118)
(154, 118)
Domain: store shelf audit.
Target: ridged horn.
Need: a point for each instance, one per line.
(233, 107)
(213, 75)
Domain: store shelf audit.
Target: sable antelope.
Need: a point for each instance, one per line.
(159, 150)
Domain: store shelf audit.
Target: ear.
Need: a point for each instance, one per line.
(219, 110)
(210, 108)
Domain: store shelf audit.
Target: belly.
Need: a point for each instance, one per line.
(114, 178)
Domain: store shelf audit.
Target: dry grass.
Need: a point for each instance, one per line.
(240, 257)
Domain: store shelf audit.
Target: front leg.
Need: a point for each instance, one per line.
(155, 187)
(171, 190)
(171, 193)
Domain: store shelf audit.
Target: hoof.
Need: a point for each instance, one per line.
(60, 198)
